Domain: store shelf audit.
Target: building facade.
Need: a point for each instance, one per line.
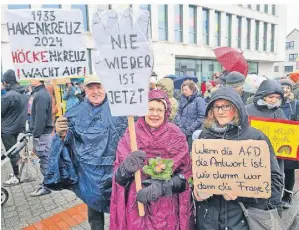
(183, 36)
(292, 52)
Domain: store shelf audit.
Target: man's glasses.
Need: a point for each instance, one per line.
(227, 107)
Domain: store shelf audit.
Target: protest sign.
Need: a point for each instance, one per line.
(238, 167)
(46, 44)
(283, 135)
(124, 59)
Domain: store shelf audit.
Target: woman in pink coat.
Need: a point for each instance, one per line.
(168, 204)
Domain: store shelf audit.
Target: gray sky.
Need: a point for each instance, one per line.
(292, 17)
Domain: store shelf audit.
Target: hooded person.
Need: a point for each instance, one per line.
(191, 110)
(168, 204)
(89, 134)
(14, 104)
(291, 110)
(236, 80)
(166, 84)
(226, 118)
(266, 104)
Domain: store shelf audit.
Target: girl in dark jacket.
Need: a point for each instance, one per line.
(227, 118)
(291, 110)
(191, 110)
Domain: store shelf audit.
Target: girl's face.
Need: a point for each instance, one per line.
(224, 112)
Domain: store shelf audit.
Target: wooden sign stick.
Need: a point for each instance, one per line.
(58, 99)
(134, 148)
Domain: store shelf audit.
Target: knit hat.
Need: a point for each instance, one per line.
(220, 80)
(9, 77)
(235, 79)
(294, 76)
(287, 82)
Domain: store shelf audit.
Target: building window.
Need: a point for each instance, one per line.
(249, 6)
(272, 37)
(276, 69)
(163, 21)
(229, 29)
(253, 67)
(248, 22)
(205, 31)
(273, 9)
(84, 9)
(218, 29)
(258, 7)
(266, 8)
(148, 8)
(293, 57)
(18, 6)
(288, 69)
(178, 23)
(197, 67)
(192, 25)
(257, 34)
(290, 45)
(239, 39)
(265, 37)
(51, 6)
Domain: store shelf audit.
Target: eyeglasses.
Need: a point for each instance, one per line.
(158, 111)
(227, 107)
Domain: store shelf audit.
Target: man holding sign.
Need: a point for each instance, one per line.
(226, 118)
(91, 134)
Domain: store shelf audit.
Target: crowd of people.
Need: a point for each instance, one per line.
(88, 151)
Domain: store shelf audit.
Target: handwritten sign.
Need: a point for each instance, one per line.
(283, 134)
(239, 167)
(47, 43)
(124, 59)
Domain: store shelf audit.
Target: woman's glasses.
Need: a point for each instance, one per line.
(158, 111)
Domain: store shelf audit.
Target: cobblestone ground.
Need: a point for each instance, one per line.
(21, 210)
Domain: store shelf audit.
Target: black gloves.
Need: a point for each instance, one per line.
(156, 188)
(132, 164)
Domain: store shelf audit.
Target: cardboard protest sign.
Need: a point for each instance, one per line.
(124, 59)
(283, 134)
(47, 44)
(239, 167)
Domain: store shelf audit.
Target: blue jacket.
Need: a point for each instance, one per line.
(91, 141)
(190, 113)
(70, 98)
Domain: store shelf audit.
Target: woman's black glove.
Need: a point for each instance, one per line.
(156, 188)
(132, 164)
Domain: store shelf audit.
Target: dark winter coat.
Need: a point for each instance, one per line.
(91, 140)
(267, 87)
(41, 112)
(14, 106)
(217, 213)
(190, 113)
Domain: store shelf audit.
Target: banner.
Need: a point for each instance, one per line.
(238, 167)
(283, 134)
(124, 58)
(47, 44)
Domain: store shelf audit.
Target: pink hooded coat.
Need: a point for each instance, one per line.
(168, 212)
